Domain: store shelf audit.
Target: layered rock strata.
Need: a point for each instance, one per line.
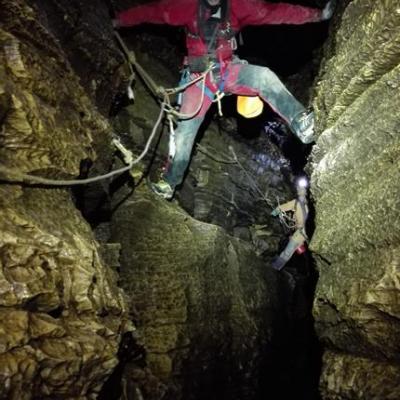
(62, 314)
(356, 188)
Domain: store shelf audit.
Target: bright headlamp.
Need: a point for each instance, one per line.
(302, 183)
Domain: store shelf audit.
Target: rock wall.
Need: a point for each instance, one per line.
(355, 180)
(205, 305)
(84, 32)
(61, 312)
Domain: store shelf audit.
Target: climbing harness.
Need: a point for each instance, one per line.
(13, 175)
(185, 78)
(210, 29)
(289, 222)
(286, 220)
(215, 92)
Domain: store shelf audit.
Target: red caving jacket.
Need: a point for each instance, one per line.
(242, 13)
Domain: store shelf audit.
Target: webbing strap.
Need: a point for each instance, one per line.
(219, 89)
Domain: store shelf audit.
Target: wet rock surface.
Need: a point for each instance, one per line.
(62, 314)
(204, 304)
(355, 186)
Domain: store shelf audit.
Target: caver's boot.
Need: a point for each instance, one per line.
(278, 263)
(163, 189)
(303, 127)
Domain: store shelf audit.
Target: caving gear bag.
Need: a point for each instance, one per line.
(249, 106)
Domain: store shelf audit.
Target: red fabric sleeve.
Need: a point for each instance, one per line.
(170, 12)
(259, 12)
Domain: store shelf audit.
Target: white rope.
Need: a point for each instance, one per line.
(12, 175)
(218, 97)
(20, 177)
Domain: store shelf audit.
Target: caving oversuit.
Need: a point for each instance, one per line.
(210, 37)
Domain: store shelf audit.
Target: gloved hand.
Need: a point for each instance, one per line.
(328, 10)
(275, 212)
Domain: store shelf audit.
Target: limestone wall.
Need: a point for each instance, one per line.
(206, 307)
(61, 313)
(355, 180)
